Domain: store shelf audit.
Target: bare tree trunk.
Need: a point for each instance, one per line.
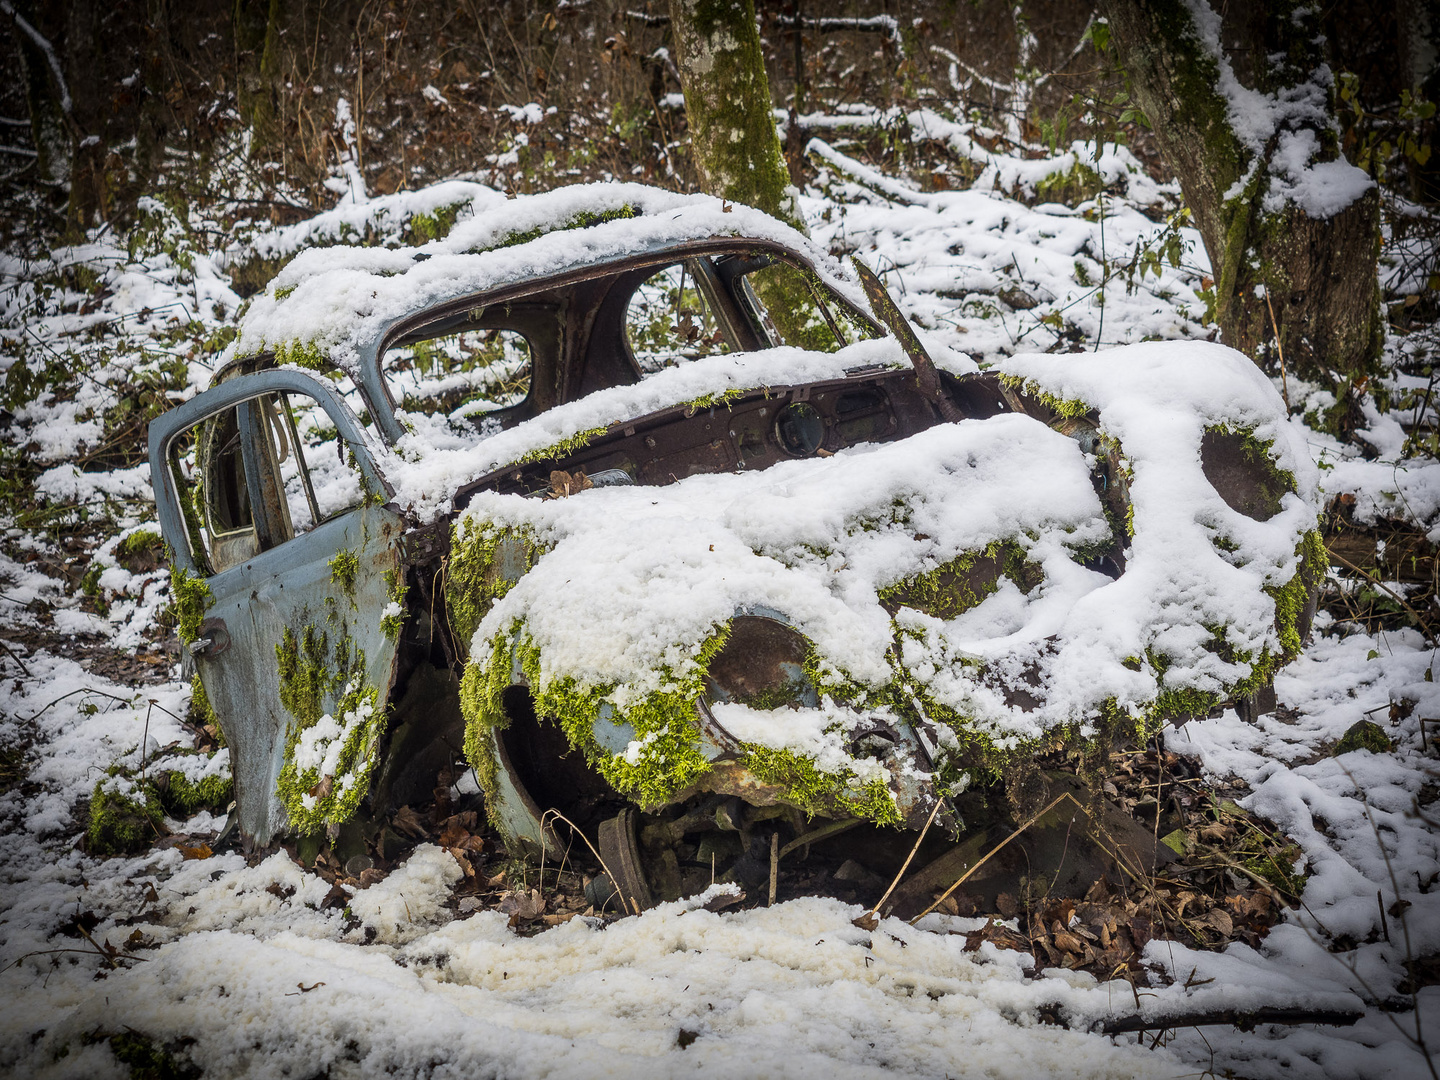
(1420, 71)
(91, 186)
(727, 105)
(1289, 225)
(47, 96)
(67, 114)
(152, 131)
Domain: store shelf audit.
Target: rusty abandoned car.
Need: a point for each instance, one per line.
(651, 512)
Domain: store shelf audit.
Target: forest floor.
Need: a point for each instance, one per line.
(451, 959)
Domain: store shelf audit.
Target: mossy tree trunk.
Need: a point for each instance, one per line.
(733, 137)
(257, 63)
(727, 105)
(1249, 127)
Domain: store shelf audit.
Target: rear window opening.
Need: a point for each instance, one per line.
(669, 321)
(463, 375)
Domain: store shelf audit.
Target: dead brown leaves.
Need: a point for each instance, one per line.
(563, 483)
(529, 907)
(407, 821)
(1103, 934)
(1232, 881)
(459, 836)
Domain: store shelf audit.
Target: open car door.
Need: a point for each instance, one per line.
(287, 579)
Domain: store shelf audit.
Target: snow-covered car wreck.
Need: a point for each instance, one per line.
(642, 506)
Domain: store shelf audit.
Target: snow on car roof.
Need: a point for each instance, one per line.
(431, 461)
(329, 301)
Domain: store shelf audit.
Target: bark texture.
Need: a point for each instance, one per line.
(93, 175)
(256, 26)
(1318, 272)
(727, 105)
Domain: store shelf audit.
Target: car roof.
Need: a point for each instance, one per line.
(328, 304)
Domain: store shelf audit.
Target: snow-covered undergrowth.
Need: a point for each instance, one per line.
(250, 969)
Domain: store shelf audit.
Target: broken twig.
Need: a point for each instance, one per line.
(986, 858)
(906, 864)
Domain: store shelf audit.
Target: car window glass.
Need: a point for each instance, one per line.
(796, 309)
(461, 375)
(667, 321)
(258, 474)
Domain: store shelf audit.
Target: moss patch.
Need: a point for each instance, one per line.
(127, 812)
(963, 582)
(303, 673)
(202, 712)
(480, 688)
(329, 756)
(563, 448)
(664, 756)
(148, 1059)
(1064, 408)
(1292, 598)
(423, 228)
(344, 569)
(1364, 735)
(138, 544)
(485, 561)
(819, 792)
(182, 797)
(305, 354)
(191, 598)
(124, 820)
(395, 590)
(582, 220)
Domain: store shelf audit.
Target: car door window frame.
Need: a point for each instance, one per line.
(234, 392)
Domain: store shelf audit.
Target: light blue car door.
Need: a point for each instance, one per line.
(288, 584)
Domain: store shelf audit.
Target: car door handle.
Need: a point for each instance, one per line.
(212, 639)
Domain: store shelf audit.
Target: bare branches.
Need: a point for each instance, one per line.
(43, 44)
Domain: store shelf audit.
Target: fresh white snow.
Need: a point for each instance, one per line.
(248, 964)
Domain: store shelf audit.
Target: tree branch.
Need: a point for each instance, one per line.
(43, 44)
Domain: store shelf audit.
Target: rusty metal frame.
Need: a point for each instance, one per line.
(375, 387)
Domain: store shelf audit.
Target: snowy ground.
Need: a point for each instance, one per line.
(244, 969)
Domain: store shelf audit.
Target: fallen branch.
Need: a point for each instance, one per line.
(72, 693)
(43, 44)
(81, 952)
(1419, 619)
(1244, 1019)
(870, 915)
(11, 653)
(823, 154)
(872, 24)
